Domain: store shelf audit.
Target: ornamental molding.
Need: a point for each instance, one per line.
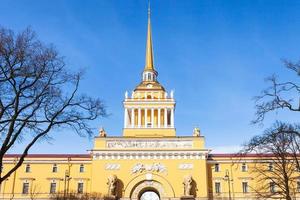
(185, 166)
(149, 155)
(112, 166)
(155, 167)
(149, 144)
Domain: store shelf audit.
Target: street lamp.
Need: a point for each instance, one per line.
(227, 178)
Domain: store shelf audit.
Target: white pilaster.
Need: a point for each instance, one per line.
(172, 117)
(166, 117)
(158, 117)
(139, 117)
(152, 117)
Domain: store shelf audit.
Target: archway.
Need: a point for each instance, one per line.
(149, 194)
(145, 182)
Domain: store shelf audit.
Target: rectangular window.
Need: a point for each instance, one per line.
(81, 168)
(244, 167)
(27, 168)
(80, 188)
(52, 188)
(25, 189)
(217, 167)
(272, 187)
(270, 167)
(218, 187)
(54, 168)
(245, 187)
(298, 186)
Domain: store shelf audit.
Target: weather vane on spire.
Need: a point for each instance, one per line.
(149, 9)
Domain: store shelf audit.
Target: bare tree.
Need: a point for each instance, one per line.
(38, 95)
(35, 190)
(278, 163)
(279, 95)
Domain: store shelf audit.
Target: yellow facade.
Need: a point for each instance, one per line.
(148, 157)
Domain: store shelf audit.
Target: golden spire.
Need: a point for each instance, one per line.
(149, 66)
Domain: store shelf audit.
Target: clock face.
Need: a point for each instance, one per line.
(149, 195)
(149, 86)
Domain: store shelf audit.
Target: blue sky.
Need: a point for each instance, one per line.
(214, 54)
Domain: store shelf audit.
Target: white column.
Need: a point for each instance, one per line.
(132, 118)
(125, 118)
(158, 117)
(172, 117)
(146, 118)
(165, 118)
(139, 117)
(152, 117)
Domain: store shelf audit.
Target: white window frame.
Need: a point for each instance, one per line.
(220, 188)
(245, 189)
(54, 166)
(23, 187)
(219, 168)
(53, 182)
(78, 183)
(81, 168)
(27, 168)
(242, 167)
(272, 187)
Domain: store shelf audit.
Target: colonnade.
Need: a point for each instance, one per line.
(140, 117)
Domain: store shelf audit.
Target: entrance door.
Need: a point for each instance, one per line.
(149, 195)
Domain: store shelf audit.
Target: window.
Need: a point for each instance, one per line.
(245, 187)
(244, 167)
(52, 188)
(80, 188)
(272, 187)
(298, 186)
(270, 167)
(25, 189)
(54, 168)
(27, 168)
(217, 187)
(81, 168)
(217, 167)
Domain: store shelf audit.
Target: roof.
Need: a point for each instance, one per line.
(49, 155)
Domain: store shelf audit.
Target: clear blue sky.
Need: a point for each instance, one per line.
(214, 54)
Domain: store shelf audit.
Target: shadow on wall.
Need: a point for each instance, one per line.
(194, 189)
(120, 188)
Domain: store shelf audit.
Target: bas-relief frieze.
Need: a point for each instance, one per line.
(155, 167)
(151, 144)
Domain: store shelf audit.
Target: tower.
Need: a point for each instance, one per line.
(149, 109)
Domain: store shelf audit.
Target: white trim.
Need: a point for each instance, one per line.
(149, 155)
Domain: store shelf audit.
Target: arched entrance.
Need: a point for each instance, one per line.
(144, 182)
(149, 194)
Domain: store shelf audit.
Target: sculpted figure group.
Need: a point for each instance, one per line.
(187, 182)
(112, 185)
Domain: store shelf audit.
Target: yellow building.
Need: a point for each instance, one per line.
(149, 161)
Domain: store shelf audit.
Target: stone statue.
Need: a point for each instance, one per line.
(112, 185)
(126, 95)
(196, 132)
(102, 132)
(187, 182)
(172, 94)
